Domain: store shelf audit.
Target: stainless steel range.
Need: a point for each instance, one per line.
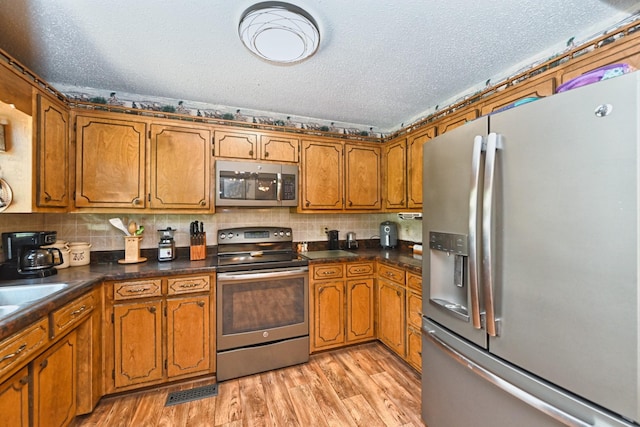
(262, 302)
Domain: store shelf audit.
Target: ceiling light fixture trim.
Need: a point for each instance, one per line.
(278, 32)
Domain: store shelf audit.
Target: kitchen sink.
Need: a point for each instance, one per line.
(334, 253)
(13, 296)
(5, 310)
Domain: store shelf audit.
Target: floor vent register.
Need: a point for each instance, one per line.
(184, 396)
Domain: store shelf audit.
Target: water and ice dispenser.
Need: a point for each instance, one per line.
(449, 255)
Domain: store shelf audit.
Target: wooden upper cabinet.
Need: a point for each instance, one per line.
(277, 148)
(394, 156)
(110, 163)
(322, 175)
(627, 51)
(538, 87)
(239, 145)
(414, 166)
(180, 167)
(15, 89)
(456, 119)
(363, 176)
(52, 148)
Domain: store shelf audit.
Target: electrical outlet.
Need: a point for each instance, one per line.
(324, 230)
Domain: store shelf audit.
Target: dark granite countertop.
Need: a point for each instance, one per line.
(82, 279)
(394, 257)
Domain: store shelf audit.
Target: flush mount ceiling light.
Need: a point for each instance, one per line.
(279, 32)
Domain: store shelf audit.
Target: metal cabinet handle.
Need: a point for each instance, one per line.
(251, 152)
(44, 363)
(201, 303)
(152, 309)
(188, 285)
(137, 290)
(136, 201)
(78, 311)
(266, 154)
(20, 349)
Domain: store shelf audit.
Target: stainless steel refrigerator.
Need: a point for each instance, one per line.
(531, 273)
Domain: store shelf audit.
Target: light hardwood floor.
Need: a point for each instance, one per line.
(364, 385)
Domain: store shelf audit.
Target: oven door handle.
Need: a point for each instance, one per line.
(261, 274)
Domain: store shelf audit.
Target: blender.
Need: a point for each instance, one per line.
(166, 246)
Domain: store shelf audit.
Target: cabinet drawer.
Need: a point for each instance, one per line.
(328, 271)
(22, 345)
(391, 273)
(137, 289)
(71, 314)
(414, 282)
(185, 285)
(360, 269)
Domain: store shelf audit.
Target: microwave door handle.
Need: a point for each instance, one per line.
(279, 187)
(494, 143)
(476, 157)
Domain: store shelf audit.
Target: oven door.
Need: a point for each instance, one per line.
(262, 306)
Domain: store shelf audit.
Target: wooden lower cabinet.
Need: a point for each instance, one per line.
(14, 400)
(138, 342)
(54, 384)
(399, 313)
(160, 330)
(342, 304)
(391, 315)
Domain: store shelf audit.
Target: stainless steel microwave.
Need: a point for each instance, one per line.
(253, 184)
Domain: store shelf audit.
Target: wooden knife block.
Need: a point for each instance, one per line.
(199, 251)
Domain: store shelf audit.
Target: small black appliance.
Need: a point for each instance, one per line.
(388, 234)
(333, 239)
(24, 256)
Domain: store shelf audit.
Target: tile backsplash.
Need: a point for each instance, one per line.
(96, 229)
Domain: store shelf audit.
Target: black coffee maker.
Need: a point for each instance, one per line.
(24, 256)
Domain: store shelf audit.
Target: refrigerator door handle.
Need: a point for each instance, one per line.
(494, 143)
(531, 400)
(476, 157)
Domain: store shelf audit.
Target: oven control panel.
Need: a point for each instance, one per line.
(254, 235)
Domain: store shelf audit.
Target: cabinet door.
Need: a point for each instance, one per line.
(138, 342)
(360, 316)
(14, 401)
(414, 348)
(456, 119)
(328, 319)
(110, 163)
(414, 167)
(391, 316)
(188, 335)
(52, 142)
(180, 167)
(537, 87)
(394, 161)
(322, 178)
(54, 385)
(363, 177)
(239, 145)
(279, 148)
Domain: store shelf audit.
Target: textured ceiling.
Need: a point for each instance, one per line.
(380, 62)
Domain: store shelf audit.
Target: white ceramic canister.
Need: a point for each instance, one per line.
(66, 253)
(80, 254)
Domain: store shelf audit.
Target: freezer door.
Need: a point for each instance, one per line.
(566, 241)
(463, 385)
(452, 164)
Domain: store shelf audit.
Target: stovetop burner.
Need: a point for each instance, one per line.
(252, 248)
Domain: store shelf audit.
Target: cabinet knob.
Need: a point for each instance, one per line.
(136, 201)
(152, 309)
(201, 303)
(251, 153)
(266, 154)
